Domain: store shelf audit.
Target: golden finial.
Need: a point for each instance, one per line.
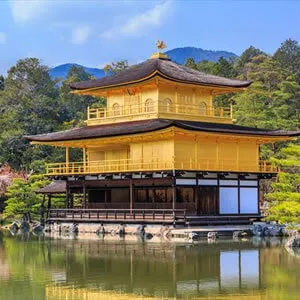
(160, 45)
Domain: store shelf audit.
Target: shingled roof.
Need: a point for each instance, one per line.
(161, 67)
(144, 126)
(55, 187)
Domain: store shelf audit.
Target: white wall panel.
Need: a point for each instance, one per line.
(228, 200)
(208, 182)
(228, 182)
(248, 200)
(185, 181)
(248, 183)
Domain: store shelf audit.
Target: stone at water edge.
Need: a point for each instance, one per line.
(294, 239)
(24, 227)
(212, 235)
(14, 227)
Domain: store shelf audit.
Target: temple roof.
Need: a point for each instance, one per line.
(144, 126)
(55, 187)
(164, 68)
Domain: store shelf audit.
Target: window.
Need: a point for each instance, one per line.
(116, 109)
(203, 109)
(167, 105)
(149, 105)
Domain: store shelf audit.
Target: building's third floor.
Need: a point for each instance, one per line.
(159, 88)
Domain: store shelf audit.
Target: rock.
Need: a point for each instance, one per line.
(140, 230)
(164, 231)
(100, 230)
(24, 227)
(120, 230)
(212, 235)
(14, 227)
(267, 230)
(38, 229)
(294, 240)
(194, 236)
(148, 236)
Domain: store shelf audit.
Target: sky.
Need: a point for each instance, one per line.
(94, 33)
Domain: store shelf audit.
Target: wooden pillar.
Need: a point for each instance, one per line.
(49, 205)
(131, 195)
(84, 158)
(67, 194)
(197, 195)
(174, 193)
(67, 159)
(84, 194)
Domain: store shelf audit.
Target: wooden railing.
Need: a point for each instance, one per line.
(118, 215)
(185, 111)
(156, 164)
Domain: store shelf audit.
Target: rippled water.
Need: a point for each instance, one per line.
(43, 268)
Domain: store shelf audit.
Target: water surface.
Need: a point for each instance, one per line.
(44, 268)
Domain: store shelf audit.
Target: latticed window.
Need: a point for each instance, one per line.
(116, 109)
(203, 109)
(149, 105)
(167, 105)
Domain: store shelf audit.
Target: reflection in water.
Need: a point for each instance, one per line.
(77, 269)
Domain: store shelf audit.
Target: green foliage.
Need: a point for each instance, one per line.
(288, 56)
(22, 199)
(284, 198)
(116, 67)
(190, 62)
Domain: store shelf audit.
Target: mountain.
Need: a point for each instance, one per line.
(178, 55)
(61, 71)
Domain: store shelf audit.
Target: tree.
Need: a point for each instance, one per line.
(75, 106)
(224, 68)
(206, 66)
(284, 205)
(190, 63)
(288, 56)
(30, 102)
(1, 83)
(22, 201)
(116, 67)
(247, 56)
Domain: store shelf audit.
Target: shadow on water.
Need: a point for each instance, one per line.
(36, 267)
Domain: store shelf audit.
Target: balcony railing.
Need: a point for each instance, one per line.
(187, 111)
(156, 164)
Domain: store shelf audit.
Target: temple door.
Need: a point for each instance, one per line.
(207, 200)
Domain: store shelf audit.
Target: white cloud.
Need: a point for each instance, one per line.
(80, 35)
(25, 10)
(140, 24)
(2, 38)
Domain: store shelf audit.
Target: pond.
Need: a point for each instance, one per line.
(42, 268)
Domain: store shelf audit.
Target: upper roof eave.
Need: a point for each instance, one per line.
(165, 68)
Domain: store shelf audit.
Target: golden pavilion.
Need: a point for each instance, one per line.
(160, 151)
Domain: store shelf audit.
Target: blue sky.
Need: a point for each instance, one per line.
(94, 33)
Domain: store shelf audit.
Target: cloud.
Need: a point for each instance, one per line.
(140, 24)
(2, 38)
(24, 10)
(80, 35)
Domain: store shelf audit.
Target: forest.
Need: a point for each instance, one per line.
(33, 103)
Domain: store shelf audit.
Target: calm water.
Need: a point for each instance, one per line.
(32, 268)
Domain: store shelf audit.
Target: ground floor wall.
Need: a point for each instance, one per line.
(213, 194)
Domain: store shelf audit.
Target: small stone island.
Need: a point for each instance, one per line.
(160, 152)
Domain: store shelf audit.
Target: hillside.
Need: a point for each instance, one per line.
(61, 71)
(178, 55)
